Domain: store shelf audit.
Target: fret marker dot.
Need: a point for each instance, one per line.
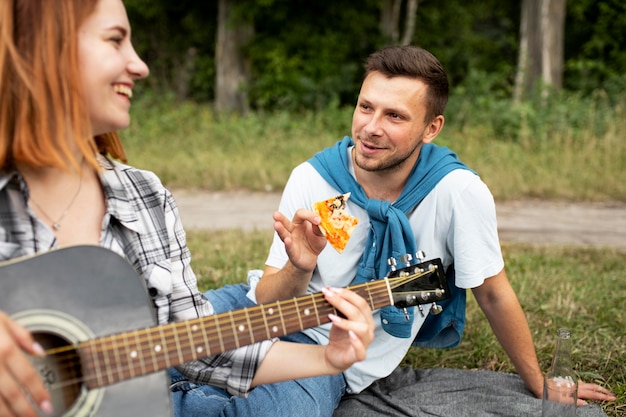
(133, 354)
(307, 311)
(194, 327)
(270, 310)
(199, 350)
(157, 348)
(242, 328)
(274, 329)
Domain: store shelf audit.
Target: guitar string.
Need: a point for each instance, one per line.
(71, 359)
(125, 371)
(253, 321)
(259, 309)
(212, 334)
(238, 312)
(245, 311)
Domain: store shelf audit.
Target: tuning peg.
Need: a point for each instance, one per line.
(392, 263)
(407, 258)
(435, 309)
(420, 255)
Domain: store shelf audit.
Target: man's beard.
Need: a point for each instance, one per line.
(392, 165)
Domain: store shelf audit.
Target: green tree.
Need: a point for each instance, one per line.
(235, 30)
(308, 53)
(541, 47)
(176, 38)
(595, 57)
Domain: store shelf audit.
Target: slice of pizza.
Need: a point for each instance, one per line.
(337, 225)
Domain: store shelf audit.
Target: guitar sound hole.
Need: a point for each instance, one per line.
(60, 370)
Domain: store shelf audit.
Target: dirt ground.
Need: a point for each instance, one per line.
(529, 221)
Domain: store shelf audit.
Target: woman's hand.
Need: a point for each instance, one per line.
(18, 378)
(349, 336)
(349, 339)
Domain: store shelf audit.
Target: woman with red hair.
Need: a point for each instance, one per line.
(68, 69)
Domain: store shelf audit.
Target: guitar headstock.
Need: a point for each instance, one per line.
(416, 283)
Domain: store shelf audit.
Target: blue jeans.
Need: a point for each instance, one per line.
(308, 397)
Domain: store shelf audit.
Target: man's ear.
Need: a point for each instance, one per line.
(433, 129)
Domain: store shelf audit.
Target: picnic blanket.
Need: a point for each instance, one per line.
(448, 393)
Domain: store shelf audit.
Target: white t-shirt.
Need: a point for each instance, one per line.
(455, 222)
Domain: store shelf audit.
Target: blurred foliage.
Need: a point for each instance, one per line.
(569, 146)
(308, 54)
(594, 46)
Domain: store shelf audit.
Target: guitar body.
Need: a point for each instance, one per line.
(75, 294)
(105, 357)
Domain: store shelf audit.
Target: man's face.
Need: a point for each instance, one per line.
(388, 125)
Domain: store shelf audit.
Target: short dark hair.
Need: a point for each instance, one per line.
(413, 62)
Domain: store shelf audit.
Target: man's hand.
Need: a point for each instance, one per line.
(302, 237)
(590, 391)
(304, 241)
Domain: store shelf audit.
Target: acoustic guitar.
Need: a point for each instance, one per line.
(105, 356)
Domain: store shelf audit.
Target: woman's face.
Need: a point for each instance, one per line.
(109, 66)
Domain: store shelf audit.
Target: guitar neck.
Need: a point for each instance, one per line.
(118, 357)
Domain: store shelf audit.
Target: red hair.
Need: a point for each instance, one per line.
(43, 119)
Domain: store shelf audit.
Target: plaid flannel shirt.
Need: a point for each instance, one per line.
(142, 224)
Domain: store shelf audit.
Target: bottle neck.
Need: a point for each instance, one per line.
(562, 360)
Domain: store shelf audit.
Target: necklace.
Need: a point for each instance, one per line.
(56, 224)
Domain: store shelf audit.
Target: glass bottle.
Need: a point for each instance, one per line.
(560, 385)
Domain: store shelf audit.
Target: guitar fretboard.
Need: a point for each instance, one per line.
(127, 355)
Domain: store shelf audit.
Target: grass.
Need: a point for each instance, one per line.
(572, 148)
(579, 288)
(581, 159)
(256, 152)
